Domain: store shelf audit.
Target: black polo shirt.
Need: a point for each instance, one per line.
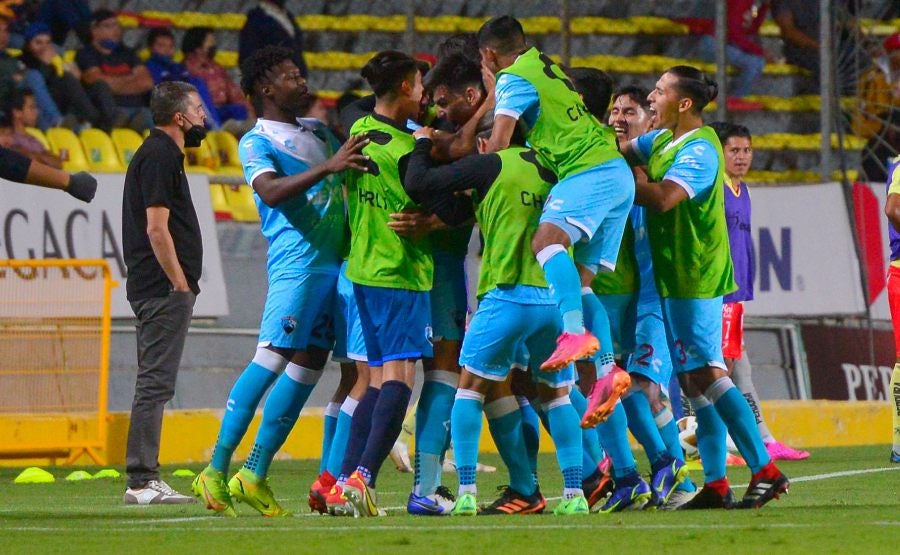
(156, 177)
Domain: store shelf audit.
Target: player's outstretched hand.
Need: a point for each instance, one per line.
(349, 156)
(82, 186)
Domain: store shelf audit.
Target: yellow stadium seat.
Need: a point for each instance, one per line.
(101, 153)
(201, 159)
(225, 147)
(39, 135)
(220, 207)
(126, 141)
(241, 203)
(65, 144)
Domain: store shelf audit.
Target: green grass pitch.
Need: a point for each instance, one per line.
(843, 500)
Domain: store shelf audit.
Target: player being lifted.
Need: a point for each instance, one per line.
(683, 192)
(301, 205)
(586, 209)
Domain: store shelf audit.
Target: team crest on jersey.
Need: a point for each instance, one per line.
(288, 324)
(429, 335)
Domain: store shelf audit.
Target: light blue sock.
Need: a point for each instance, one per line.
(741, 423)
(531, 430)
(614, 438)
(592, 453)
(432, 422)
(668, 431)
(280, 413)
(566, 433)
(341, 436)
(242, 403)
(565, 285)
(596, 319)
(642, 425)
(465, 429)
(329, 418)
(505, 422)
(710, 439)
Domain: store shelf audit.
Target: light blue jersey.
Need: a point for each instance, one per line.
(517, 98)
(306, 233)
(695, 165)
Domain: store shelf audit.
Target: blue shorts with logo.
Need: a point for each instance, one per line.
(448, 297)
(651, 357)
(298, 312)
(349, 343)
(592, 207)
(503, 333)
(694, 332)
(396, 323)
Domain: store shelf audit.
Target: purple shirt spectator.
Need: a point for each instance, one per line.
(737, 214)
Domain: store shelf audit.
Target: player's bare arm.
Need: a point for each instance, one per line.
(274, 190)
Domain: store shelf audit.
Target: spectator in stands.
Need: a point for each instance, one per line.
(228, 102)
(743, 51)
(877, 117)
(10, 68)
(22, 112)
(56, 85)
(64, 16)
(270, 23)
(798, 21)
(163, 67)
(113, 75)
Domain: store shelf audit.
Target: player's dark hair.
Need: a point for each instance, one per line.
(696, 85)
(256, 66)
(636, 93)
(463, 43)
(193, 38)
(726, 131)
(504, 34)
(167, 99)
(456, 72)
(595, 87)
(158, 32)
(387, 70)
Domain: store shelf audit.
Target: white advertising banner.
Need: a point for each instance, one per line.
(43, 223)
(806, 263)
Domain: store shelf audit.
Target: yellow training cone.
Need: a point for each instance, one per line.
(34, 475)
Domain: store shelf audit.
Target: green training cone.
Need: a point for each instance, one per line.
(107, 473)
(78, 475)
(34, 475)
(183, 473)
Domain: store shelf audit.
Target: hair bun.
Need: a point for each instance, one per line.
(712, 88)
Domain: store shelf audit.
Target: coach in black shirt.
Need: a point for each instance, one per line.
(164, 255)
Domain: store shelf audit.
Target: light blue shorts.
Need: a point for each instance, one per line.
(694, 332)
(349, 343)
(497, 334)
(396, 323)
(622, 314)
(651, 357)
(592, 207)
(448, 297)
(297, 312)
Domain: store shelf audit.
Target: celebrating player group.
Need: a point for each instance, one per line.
(605, 259)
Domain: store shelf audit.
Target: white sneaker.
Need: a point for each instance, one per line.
(155, 492)
(445, 499)
(678, 498)
(400, 456)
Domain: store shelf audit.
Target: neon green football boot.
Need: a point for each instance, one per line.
(574, 506)
(247, 487)
(209, 486)
(465, 506)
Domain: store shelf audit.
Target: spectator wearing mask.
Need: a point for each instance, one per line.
(228, 102)
(113, 74)
(56, 85)
(163, 67)
(269, 23)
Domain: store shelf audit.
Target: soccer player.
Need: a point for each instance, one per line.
(301, 205)
(892, 210)
(683, 192)
(515, 307)
(737, 147)
(587, 208)
(391, 274)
